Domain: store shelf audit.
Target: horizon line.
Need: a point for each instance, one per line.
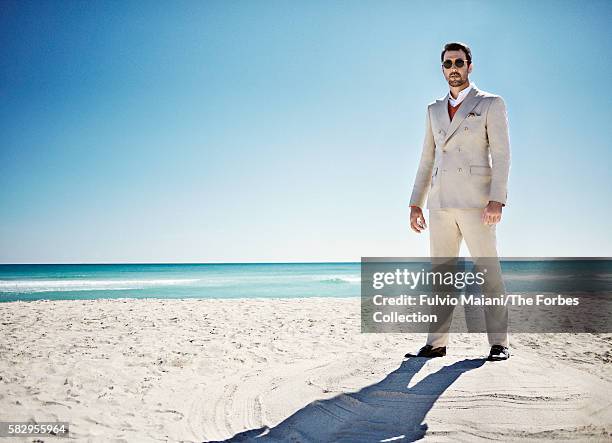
(305, 262)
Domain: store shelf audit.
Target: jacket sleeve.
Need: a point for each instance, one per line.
(423, 176)
(499, 147)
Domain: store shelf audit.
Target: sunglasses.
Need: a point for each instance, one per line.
(458, 63)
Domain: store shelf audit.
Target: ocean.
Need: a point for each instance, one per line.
(254, 280)
(250, 280)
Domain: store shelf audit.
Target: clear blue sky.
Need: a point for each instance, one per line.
(245, 131)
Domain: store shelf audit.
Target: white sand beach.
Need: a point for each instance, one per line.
(290, 369)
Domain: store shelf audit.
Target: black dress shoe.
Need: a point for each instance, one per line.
(499, 352)
(429, 351)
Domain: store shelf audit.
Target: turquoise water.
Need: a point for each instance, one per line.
(271, 280)
(89, 281)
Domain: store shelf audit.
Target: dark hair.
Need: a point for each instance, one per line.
(456, 46)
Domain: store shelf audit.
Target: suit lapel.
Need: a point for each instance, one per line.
(442, 110)
(468, 103)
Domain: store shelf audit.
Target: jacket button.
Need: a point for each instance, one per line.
(465, 129)
(459, 170)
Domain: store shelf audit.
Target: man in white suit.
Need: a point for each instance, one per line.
(463, 172)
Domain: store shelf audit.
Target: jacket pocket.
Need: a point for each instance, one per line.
(480, 170)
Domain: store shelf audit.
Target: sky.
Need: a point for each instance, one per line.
(286, 131)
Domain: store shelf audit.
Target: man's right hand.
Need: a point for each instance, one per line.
(417, 219)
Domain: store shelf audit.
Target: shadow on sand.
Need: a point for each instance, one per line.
(386, 411)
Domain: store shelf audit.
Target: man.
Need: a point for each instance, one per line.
(464, 170)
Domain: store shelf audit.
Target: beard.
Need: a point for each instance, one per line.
(456, 81)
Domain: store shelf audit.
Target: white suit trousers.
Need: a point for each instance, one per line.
(448, 227)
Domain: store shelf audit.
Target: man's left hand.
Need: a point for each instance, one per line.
(492, 213)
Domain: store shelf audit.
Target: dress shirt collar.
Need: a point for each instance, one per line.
(455, 101)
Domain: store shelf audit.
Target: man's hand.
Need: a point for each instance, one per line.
(417, 219)
(492, 213)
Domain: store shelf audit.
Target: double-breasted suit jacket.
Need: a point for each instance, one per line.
(465, 162)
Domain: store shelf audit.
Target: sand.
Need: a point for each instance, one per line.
(290, 370)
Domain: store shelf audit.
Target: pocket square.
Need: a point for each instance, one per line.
(473, 114)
